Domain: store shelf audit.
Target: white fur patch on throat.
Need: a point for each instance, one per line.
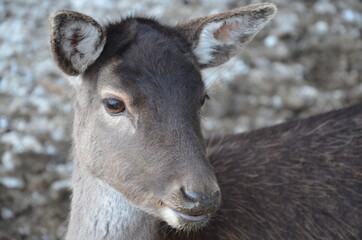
(116, 216)
(80, 44)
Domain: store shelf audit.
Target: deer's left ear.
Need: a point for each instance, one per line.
(217, 38)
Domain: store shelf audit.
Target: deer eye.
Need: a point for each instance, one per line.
(204, 99)
(114, 106)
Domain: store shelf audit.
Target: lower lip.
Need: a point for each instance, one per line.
(190, 218)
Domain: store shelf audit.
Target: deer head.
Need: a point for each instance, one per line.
(138, 95)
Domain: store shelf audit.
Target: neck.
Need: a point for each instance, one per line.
(100, 212)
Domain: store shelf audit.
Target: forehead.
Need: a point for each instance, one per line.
(143, 56)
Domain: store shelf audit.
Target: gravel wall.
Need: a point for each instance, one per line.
(307, 61)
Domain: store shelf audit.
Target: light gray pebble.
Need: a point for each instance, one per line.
(6, 213)
(12, 182)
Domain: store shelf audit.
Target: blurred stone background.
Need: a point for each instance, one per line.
(307, 61)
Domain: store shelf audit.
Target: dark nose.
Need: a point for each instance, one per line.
(193, 196)
(201, 203)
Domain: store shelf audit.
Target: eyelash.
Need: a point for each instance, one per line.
(203, 100)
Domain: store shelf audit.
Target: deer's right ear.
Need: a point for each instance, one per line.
(76, 41)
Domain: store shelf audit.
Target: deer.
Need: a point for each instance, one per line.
(142, 167)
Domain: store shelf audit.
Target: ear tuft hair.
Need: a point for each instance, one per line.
(76, 41)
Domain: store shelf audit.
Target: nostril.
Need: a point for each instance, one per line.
(196, 204)
(199, 197)
(193, 196)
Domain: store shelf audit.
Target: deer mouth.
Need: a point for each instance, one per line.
(189, 212)
(191, 218)
(184, 221)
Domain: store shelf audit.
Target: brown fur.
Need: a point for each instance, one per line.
(297, 180)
